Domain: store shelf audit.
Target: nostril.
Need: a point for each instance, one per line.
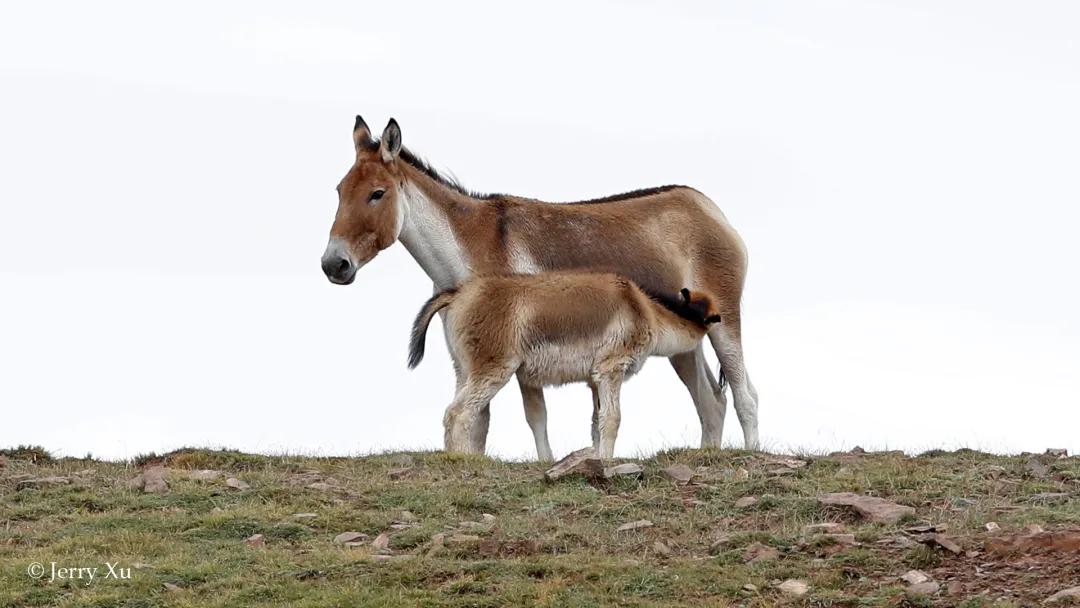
(343, 265)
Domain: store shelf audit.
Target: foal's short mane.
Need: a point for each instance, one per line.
(450, 182)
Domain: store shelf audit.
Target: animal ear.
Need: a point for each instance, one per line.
(709, 320)
(361, 134)
(685, 293)
(391, 141)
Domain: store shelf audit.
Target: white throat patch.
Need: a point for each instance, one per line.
(427, 235)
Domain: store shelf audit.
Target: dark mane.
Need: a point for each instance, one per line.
(450, 182)
(625, 195)
(677, 305)
(424, 167)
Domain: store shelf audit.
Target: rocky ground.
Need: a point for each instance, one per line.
(686, 527)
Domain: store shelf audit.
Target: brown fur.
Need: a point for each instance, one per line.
(661, 238)
(552, 328)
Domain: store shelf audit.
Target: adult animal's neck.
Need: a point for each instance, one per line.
(435, 226)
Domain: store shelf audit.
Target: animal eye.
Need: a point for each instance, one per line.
(376, 195)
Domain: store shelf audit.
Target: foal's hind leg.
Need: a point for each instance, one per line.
(610, 414)
(693, 370)
(725, 338)
(461, 417)
(478, 435)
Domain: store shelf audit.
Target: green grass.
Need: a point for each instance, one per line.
(551, 544)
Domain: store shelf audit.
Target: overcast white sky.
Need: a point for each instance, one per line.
(906, 176)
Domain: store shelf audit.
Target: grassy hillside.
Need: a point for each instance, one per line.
(438, 530)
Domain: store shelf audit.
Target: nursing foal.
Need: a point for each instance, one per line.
(663, 239)
(553, 328)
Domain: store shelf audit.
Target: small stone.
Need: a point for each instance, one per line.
(1033, 529)
(438, 544)
(171, 588)
(722, 542)
(661, 549)
(992, 526)
(381, 542)
(1035, 468)
(942, 541)
(830, 527)
(256, 541)
(407, 517)
(1072, 593)
(1057, 452)
(487, 518)
(793, 587)
(742, 474)
(305, 515)
(923, 589)
(840, 539)
(1049, 497)
(914, 577)
(399, 473)
(750, 588)
(626, 469)
(154, 481)
(758, 552)
(583, 462)
(350, 537)
(204, 475)
(679, 472)
(745, 502)
(634, 525)
(237, 484)
(1061, 541)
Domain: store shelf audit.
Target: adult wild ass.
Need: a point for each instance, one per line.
(661, 238)
(552, 328)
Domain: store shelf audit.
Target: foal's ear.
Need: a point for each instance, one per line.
(361, 134)
(390, 145)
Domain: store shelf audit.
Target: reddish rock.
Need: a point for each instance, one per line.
(582, 462)
(871, 507)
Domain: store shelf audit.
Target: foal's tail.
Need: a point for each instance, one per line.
(420, 325)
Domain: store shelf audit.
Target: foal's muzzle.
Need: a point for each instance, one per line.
(337, 263)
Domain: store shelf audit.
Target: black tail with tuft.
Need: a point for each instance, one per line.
(423, 319)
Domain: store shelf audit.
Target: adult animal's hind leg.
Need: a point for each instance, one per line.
(725, 338)
(694, 372)
(536, 416)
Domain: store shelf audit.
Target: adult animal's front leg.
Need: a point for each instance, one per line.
(532, 398)
(694, 372)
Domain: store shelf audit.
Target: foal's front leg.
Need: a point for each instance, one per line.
(536, 415)
(610, 414)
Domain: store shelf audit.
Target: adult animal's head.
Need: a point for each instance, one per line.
(371, 204)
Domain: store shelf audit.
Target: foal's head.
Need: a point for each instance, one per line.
(702, 305)
(370, 204)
